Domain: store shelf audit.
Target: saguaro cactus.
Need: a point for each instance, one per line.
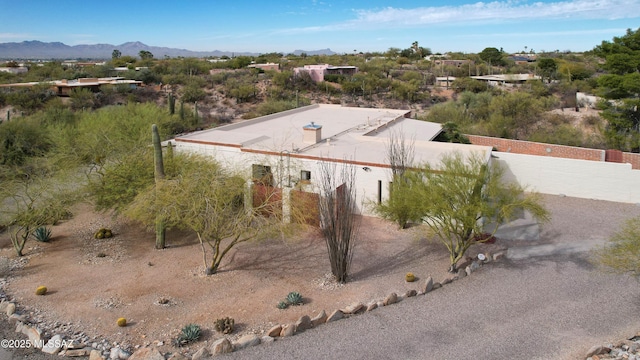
(159, 176)
(172, 104)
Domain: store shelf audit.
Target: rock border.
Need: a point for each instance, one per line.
(78, 344)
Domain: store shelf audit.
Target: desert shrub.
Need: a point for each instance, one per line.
(225, 325)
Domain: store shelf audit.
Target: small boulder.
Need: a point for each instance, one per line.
(391, 299)
(461, 273)
(121, 354)
(177, 356)
(95, 355)
(353, 308)
(275, 331)
(468, 270)
(497, 256)
(321, 318)
(336, 315)
(372, 306)
(288, 330)
(246, 341)
(303, 323)
(446, 280)
(201, 354)
(437, 285)
(34, 336)
(428, 285)
(11, 308)
(474, 266)
(145, 353)
(597, 350)
(463, 263)
(53, 346)
(221, 346)
(76, 352)
(410, 293)
(266, 340)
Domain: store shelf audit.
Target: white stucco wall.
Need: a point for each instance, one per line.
(570, 177)
(283, 167)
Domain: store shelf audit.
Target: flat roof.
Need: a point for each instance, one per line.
(349, 133)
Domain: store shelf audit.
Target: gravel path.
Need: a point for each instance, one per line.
(542, 305)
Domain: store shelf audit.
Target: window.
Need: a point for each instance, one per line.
(262, 174)
(305, 176)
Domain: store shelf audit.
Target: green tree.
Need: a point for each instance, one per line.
(82, 99)
(31, 198)
(455, 200)
(22, 139)
(622, 253)
(548, 68)
(622, 57)
(145, 55)
(208, 200)
(493, 56)
(116, 54)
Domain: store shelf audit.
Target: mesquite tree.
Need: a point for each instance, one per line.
(338, 219)
(159, 176)
(210, 201)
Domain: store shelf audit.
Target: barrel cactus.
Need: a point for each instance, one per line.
(410, 277)
(122, 322)
(41, 290)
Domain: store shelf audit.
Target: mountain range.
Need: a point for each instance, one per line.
(37, 50)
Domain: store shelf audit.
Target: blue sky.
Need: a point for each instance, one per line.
(342, 26)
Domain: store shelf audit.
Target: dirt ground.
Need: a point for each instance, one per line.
(94, 282)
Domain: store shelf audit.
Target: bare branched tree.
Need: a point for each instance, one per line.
(338, 219)
(400, 153)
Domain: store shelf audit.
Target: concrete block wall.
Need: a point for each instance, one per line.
(539, 149)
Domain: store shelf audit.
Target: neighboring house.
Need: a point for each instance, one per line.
(287, 148)
(266, 67)
(445, 81)
(64, 87)
(504, 79)
(317, 72)
(456, 63)
(14, 70)
(522, 59)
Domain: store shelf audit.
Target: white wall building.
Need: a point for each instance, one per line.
(289, 146)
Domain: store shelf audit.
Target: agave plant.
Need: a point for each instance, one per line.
(282, 305)
(294, 298)
(190, 333)
(42, 234)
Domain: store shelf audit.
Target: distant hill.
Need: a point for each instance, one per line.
(38, 50)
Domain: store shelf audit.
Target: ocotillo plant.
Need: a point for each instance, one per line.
(159, 176)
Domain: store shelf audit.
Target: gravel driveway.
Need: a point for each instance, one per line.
(548, 302)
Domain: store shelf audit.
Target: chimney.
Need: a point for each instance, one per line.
(312, 133)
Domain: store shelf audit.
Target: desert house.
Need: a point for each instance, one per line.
(286, 150)
(317, 72)
(64, 87)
